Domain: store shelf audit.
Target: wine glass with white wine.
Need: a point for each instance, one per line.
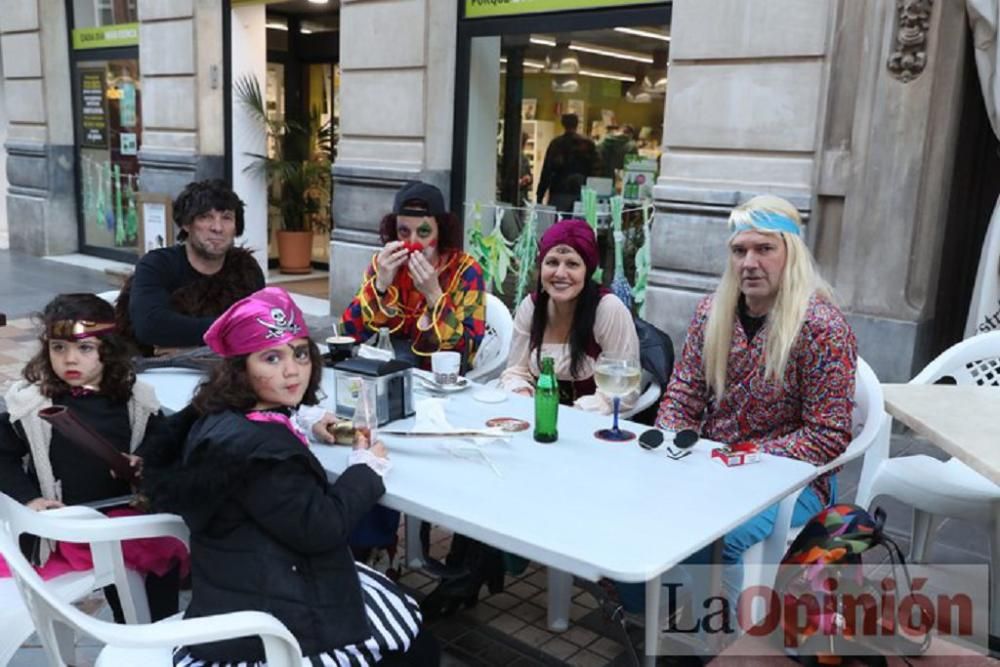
(616, 376)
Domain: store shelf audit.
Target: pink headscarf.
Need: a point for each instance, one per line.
(575, 233)
(264, 319)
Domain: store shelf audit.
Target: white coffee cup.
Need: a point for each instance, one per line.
(446, 366)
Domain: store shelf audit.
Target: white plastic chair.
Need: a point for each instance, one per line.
(651, 392)
(110, 296)
(148, 644)
(871, 426)
(937, 489)
(14, 617)
(79, 524)
(495, 348)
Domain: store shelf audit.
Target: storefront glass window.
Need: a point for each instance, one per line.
(109, 132)
(613, 81)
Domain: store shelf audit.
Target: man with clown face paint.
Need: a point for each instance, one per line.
(421, 285)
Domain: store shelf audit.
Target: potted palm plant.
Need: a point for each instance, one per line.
(297, 170)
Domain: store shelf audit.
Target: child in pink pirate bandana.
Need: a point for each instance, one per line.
(269, 532)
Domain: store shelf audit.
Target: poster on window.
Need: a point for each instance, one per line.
(129, 143)
(156, 228)
(93, 108)
(126, 103)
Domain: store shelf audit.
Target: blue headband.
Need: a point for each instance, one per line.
(768, 221)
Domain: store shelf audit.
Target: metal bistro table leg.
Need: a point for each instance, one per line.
(414, 550)
(652, 630)
(714, 644)
(560, 591)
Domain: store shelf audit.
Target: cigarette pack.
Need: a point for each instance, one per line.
(738, 454)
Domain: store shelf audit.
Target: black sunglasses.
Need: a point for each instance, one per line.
(683, 441)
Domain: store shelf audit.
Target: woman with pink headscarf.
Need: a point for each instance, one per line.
(570, 318)
(269, 532)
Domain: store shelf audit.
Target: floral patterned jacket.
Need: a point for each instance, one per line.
(807, 417)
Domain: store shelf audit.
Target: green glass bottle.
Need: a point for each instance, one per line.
(547, 403)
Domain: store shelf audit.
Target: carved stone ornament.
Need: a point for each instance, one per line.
(909, 52)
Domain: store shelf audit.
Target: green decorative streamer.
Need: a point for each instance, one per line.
(492, 250)
(643, 261)
(617, 206)
(525, 250)
(474, 242)
(588, 196)
(119, 217)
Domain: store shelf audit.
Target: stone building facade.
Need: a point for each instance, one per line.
(181, 52)
(782, 96)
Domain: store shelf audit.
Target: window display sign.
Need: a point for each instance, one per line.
(94, 110)
(126, 108)
(129, 143)
(104, 36)
(156, 224)
(475, 9)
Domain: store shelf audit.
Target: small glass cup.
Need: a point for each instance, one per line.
(365, 418)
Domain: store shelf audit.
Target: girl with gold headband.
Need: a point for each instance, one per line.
(84, 364)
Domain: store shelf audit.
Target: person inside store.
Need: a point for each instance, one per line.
(569, 160)
(770, 360)
(570, 318)
(269, 531)
(612, 149)
(420, 284)
(85, 366)
(176, 293)
(525, 179)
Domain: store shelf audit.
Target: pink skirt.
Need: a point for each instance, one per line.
(158, 555)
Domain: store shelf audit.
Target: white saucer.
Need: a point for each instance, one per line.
(490, 395)
(461, 385)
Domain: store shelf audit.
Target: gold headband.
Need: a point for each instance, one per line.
(79, 329)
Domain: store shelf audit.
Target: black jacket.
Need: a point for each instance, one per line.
(166, 302)
(569, 160)
(268, 531)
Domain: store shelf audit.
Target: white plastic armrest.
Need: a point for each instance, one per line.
(74, 512)
(278, 641)
(646, 399)
(116, 529)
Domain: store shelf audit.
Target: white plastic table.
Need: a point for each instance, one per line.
(960, 419)
(174, 386)
(579, 506)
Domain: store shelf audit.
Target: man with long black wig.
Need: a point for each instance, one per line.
(176, 293)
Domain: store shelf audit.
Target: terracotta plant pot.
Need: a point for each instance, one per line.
(295, 252)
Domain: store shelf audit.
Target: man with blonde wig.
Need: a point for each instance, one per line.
(769, 359)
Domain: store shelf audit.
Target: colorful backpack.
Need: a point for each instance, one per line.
(825, 556)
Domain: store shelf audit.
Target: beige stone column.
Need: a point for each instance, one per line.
(180, 60)
(40, 197)
(744, 102)
(887, 172)
(397, 60)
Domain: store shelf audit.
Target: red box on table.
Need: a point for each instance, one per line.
(738, 454)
